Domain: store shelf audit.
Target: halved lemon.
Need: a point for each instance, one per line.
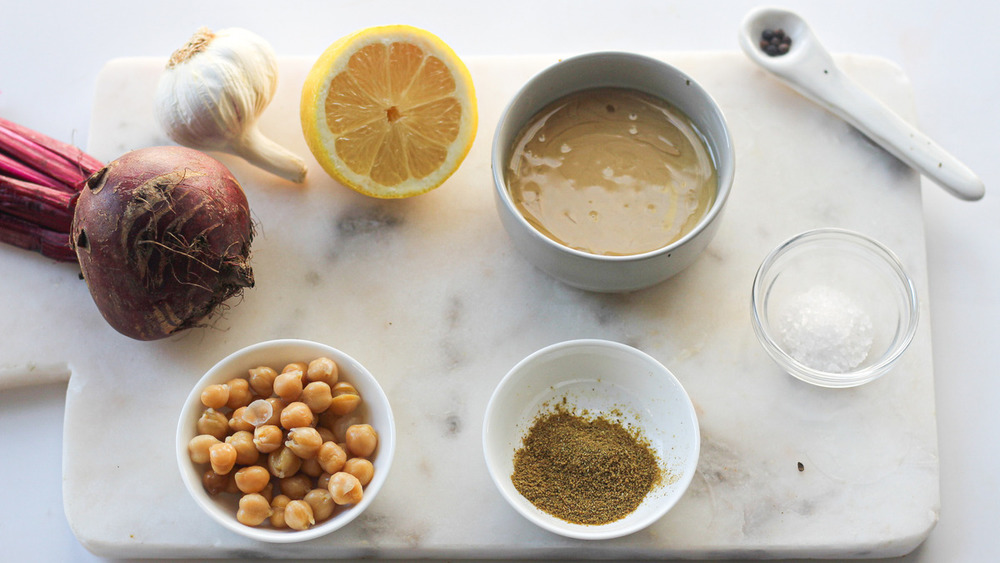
(389, 111)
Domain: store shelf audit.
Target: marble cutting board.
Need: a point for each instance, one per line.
(429, 294)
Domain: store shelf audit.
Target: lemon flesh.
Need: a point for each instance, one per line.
(389, 111)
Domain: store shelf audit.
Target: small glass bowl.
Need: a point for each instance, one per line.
(851, 278)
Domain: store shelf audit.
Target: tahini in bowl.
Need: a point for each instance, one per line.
(609, 272)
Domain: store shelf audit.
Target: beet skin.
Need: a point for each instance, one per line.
(163, 238)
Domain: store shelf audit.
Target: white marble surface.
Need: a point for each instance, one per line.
(962, 259)
(429, 294)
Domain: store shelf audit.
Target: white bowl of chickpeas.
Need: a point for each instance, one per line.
(285, 440)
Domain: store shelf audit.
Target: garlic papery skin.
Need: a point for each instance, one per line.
(212, 93)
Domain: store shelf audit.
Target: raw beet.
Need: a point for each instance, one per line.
(163, 238)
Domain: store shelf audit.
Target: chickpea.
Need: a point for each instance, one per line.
(304, 442)
(344, 403)
(323, 481)
(261, 458)
(239, 393)
(326, 434)
(295, 366)
(261, 380)
(296, 415)
(267, 438)
(344, 388)
(345, 488)
(231, 487)
(321, 502)
(199, 445)
(213, 422)
(277, 405)
(254, 509)
(252, 479)
(317, 396)
(215, 396)
(278, 505)
(331, 457)
(258, 413)
(222, 456)
(360, 468)
(215, 483)
(327, 419)
(246, 450)
(288, 385)
(283, 463)
(296, 486)
(267, 492)
(311, 467)
(299, 515)
(237, 422)
(323, 369)
(361, 439)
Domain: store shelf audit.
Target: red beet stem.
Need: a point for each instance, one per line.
(42, 159)
(40, 182)
(29, 236)
(46, 207)
(86, 163)
(11, 167)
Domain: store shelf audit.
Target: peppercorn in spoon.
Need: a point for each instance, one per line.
(782, 43)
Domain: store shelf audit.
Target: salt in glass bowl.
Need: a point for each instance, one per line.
(602, 378)
(374, 410)
(827, 298)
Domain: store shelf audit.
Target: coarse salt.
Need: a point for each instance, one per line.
(826, 330)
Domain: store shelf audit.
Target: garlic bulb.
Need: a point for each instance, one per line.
(212, 92)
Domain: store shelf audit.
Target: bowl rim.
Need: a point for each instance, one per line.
(387, 446)
(582, 531)
(816, 376)
(726, 174)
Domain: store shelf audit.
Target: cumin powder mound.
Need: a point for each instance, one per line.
(584, 471)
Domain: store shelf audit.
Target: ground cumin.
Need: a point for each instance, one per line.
(583, 470)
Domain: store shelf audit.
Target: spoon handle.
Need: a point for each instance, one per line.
(840, 95)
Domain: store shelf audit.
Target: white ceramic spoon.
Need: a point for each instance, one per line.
(809, 69)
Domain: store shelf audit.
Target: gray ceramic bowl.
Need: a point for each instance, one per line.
(625, 70)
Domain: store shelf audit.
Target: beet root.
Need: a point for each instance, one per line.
(163, 238)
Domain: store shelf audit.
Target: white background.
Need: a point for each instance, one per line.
(51, 52)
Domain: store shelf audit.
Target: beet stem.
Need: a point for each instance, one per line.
(40, 182)
(30, 236)
(42, 159)
(11, 167)
(46, 207)
(76, 157)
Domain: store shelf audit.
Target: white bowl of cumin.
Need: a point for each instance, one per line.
(591, 439)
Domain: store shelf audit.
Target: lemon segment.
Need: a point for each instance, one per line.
(389, 111)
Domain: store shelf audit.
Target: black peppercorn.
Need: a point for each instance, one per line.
(775, 42)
